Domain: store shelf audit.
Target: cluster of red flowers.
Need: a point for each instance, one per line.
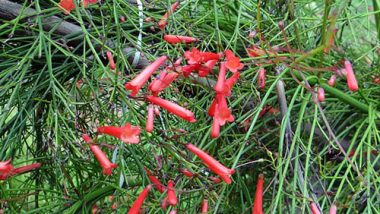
(7, 170)
(198, 62)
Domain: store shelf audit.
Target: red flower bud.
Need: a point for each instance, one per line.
(211, 163)
(321, 94)
(143, 77)
(351, 79)
(204, 209)
(122, 19)
(332, 80)
(172, 108)
(332, 209)
(110, 60)
(126, 133)
(94, 209)
(258, 203)
(150, 119)
(164, 20)
(172, 198)
(100, 156)
(139, 201)
(157, 184)
(186, 172)
(314, 208)
(174, 39)
(164, 203)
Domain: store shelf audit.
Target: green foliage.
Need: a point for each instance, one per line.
(44, 111)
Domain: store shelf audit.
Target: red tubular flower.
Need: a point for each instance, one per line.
(164, 20)
(196, 57)
(156, 82)
(186, 172)
(204, 208)
(26, 168)
(233, 63)
(204, 70)
(110, 60)
(67, 6)
(100, 156)
(261, 78)
(156, 183)
(172, 198)
(222, 112)
(7, 170)
(212, 109)
(143, 77)
(211, 63)
(6, 166)
(150, 119)
(351, 79)
(207, 56)
(164, 203)
(332, 209)
(332, 80)
(156, 110)
(314, 208)
(321, 94)
(229, 83)
(173, 212)
(162, 82)
(215, 128)
(126, 133)
(174, 39)
(87, 2)
(178, 62)
(140, 200)
(187, 69)
(193, 57)
(172, 108)
(211, 163)
(258, 203)
(219, 86)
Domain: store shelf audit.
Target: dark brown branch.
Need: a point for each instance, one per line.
(10, 11)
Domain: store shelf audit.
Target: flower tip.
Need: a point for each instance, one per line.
(149, 187)
(86, 138)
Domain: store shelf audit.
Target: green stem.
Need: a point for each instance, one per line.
(345, 98)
